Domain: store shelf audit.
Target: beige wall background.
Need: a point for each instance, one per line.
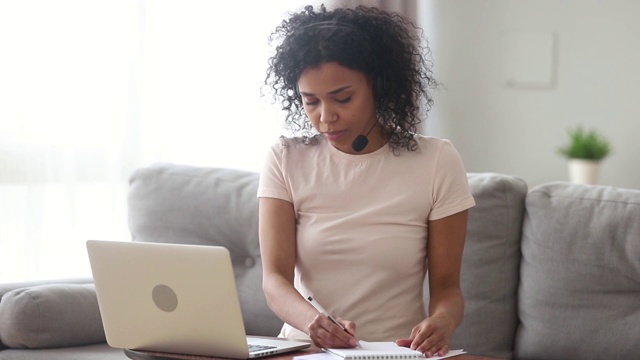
(507, 107)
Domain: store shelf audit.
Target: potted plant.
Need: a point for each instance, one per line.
(585, 152)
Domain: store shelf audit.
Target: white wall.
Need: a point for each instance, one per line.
(596, 82)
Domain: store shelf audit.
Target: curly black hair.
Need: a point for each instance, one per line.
(383, 45)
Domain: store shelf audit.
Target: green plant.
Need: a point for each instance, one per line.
(589, 145)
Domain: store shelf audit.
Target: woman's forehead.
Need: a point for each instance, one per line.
(329, 77)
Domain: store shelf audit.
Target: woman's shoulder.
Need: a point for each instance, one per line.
(285, 142)
(296, 149)
(426, 142)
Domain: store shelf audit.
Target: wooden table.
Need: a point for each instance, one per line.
(148, 355)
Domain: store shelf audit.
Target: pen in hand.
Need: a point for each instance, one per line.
(325, 313)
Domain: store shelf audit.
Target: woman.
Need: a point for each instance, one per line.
(352, 205)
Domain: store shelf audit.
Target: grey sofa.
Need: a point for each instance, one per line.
(548, 273)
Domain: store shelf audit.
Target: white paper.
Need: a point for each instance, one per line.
(367, 347)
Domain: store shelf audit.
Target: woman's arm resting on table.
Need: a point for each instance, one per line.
(446, 304)
(277, 234)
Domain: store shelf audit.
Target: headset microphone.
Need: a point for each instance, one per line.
(361, 141)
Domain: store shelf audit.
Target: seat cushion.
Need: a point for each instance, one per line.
(579, 293)
(174, 203)
(491, 259)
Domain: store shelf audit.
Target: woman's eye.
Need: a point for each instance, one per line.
(311, 102)
(344, 101)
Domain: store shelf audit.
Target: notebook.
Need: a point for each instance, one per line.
(173, 298)
(384, 350)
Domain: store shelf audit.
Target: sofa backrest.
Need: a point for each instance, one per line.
(579, 295)
(211, 206)
(206, 206)
(490, 266)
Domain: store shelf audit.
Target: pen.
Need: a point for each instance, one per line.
(325, 313)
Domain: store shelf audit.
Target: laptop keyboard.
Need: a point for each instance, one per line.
(254, 347)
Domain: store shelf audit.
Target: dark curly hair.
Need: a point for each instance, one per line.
(384, 46)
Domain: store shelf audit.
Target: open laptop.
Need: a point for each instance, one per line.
(173, 298)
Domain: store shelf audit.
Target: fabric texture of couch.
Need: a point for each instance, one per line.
(548, 273)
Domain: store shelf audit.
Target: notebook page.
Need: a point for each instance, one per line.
(384, 351)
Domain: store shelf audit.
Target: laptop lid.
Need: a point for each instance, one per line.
(172, 298)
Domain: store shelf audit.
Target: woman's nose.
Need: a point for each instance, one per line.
(328, 114)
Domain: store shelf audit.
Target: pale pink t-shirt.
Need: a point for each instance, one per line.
(362, 226)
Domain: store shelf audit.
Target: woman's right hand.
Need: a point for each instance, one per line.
(325, 334)
(277, 235)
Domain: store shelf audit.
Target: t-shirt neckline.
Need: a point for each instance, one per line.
(353, 157)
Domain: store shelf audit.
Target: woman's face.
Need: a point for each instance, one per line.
(340, 104)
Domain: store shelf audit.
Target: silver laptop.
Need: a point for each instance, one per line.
(173, 298)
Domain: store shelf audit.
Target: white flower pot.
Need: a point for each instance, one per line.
(584, 171)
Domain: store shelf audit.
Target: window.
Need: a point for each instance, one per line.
(91, 90)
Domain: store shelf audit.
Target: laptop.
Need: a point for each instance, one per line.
(174, 298)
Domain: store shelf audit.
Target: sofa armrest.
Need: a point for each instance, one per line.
(7, 287)
(50, 314)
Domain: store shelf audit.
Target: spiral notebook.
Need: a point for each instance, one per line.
(385, 350)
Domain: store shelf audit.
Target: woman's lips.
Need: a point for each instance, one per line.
(334, 135)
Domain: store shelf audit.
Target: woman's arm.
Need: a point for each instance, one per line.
(446, 304)
(277, 234)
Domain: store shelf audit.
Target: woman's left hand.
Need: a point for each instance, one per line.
(430, 337)
(446, 304)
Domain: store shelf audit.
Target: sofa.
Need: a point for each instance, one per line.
(551, 272)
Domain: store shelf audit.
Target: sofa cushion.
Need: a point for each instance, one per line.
(173, 203)
(53, 315)
(579, 293)
(491, 259)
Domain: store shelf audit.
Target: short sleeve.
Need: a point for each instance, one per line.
(451, 192)
(273, 182)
